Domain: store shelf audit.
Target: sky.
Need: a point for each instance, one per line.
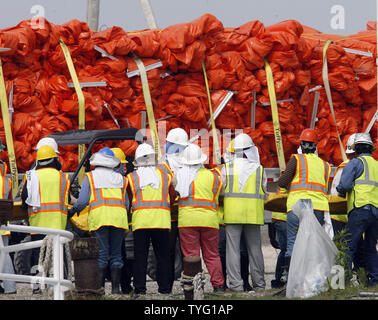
(329, 16)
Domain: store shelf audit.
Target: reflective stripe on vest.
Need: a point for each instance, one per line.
(99, 200)
(5, 187)
(55, 206)
(107, 206)
(365, 187)
(201, 203)
(303, 183)
(53, 189)
(164, 166)
(367, 180)
(139, 203)
(231, 194)
(246, 206)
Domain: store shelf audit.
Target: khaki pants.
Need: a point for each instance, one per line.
(255, 256)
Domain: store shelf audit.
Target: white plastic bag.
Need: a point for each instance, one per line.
(313, 255)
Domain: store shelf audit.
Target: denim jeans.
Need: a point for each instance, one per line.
(292, 228)
(281, 229)
(110, 246)
(363, 220)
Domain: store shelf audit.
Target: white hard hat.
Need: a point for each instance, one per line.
(192, 155)
(243, 141)
(143, 150)
(47, 141)
(178, 136)
(103, 160)
(363, 138)
(145, 155)
(350, 143)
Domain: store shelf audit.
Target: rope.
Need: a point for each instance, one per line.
(45, 261)
(196, 283)
(199, 284)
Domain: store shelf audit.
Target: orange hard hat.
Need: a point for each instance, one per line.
(309, 135)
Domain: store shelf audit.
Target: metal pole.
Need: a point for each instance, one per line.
(93, 12)
(148, 14)
(57, 271)
(253, 111)
(314, 109)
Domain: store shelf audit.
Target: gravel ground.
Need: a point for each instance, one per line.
(24, 290)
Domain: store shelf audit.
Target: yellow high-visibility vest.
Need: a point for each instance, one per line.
(365, 190)
(218, 170)
(53, 191)
(107, 206)
(150, 207)
(310, 182)
(5, 187)
(200, 208)
(282, 216)
(247, 206)
(166, 168)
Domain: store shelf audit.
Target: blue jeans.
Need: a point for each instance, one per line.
(110, 246)
(281, 229)
(292, 228)
(363, 220)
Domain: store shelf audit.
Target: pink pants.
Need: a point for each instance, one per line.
(194, 239)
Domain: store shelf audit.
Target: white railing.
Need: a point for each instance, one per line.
(60, 238)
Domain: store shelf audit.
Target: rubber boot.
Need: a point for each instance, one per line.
(285, 269)
(284, 277)
(101, 277)
(126, 276)
(115, 274)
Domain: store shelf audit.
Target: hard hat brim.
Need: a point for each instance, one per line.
(178, 143)
(194, 162)
(100, 159)
(368, 143)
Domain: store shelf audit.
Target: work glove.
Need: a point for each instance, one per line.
(71, 212)
(342, 195)
(272, 236)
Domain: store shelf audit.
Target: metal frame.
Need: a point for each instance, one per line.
(60, 238)
(90, 138)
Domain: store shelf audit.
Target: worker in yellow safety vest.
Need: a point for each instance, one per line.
(244, 193)
(151, 195)
(229, 156)
(46, 191)
(198, 223)
(306, 177)
(45, 196)
(104, 192)
(339, 221)
(359, 182)
(176, 141)
(9, 287)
